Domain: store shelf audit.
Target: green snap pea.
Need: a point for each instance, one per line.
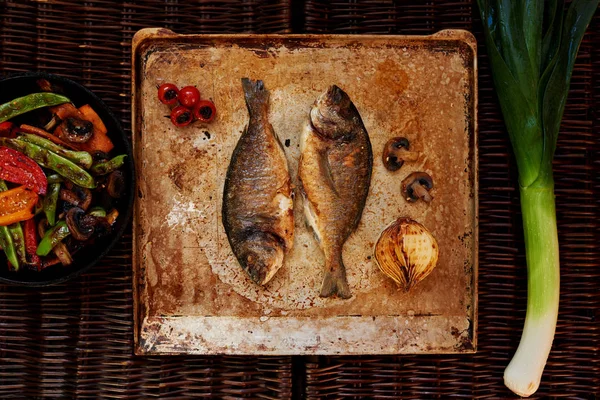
(106, 167)
(28, 103)
(52, 237)
(81, 158)
(50, 201)
(53, 161)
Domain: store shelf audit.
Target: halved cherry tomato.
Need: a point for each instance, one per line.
(181, 116)
(167, 93)
(205, 111)
(189, 96)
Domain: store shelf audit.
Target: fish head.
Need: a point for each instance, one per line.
(261, 256)
(333, 115)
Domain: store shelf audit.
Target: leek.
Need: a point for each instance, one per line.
(532, 48)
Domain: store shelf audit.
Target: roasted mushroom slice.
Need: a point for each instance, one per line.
(115, 186)
(62, 253)
(417, 186)
(77, 196)
(396, 152)
(80, 225)
(77, 130)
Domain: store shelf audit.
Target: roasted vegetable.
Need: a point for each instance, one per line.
(53, 161)
(28, 103)
(81, 158)
(406, 252)
(396, 152)
(417, 186)
(52, 237)
(106, 167)
(24, 128)
(16, 167)
(532, 52)
(16, 205)
(50, 201)
(31, 243)
(99, 140)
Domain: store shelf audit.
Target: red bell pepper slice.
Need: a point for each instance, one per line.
(16, 167)
(31, 243)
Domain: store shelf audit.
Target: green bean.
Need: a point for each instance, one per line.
(106, 167)
(28, 103)
(53, 161)
(55, 178)
(9, 247)
(52, 237)
(50, 201)
(97, 212)
(15, 232)
(81, 158)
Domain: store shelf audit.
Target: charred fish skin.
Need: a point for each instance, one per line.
(335, 171)
(257, 210)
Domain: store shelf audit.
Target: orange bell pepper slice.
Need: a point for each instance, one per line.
(16, 205)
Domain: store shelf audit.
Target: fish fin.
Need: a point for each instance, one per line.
(257, 97)
(325, 167)
(310, 217)
(334, 280)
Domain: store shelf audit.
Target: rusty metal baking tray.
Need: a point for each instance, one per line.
(191, 296)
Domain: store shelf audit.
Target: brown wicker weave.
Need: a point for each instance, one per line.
(75, 339)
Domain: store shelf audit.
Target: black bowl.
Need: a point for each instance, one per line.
(14, 86)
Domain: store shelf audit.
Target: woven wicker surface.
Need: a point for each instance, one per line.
(75, 339)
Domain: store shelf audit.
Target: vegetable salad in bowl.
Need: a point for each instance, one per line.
(65, 185)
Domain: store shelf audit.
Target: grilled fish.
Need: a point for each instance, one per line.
(257, 199)
(335, 171)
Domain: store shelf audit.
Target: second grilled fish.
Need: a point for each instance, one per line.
(335, 170)
(257, 199)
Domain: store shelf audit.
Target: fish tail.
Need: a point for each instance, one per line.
(257, 97)
(334, 281)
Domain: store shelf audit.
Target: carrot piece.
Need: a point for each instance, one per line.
(90, 115)
(99, 140)
(46, 135)
(65, 111)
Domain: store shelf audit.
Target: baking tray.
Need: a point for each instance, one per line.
(190, 295)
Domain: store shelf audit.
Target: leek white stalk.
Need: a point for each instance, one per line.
(524, 372)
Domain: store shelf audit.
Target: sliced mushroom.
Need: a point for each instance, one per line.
(77, 130)
(53, 123)
(80, 225)
(115, 185)
(42, 227)
(396, 152)
(77, 196)
(417, 186)
(62, 253)
(99, 156)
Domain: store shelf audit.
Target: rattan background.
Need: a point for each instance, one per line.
(75, 339)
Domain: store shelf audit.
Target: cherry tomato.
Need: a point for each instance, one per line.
(167, 93)
(189, 96)
(181, 116)
(205, 111)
